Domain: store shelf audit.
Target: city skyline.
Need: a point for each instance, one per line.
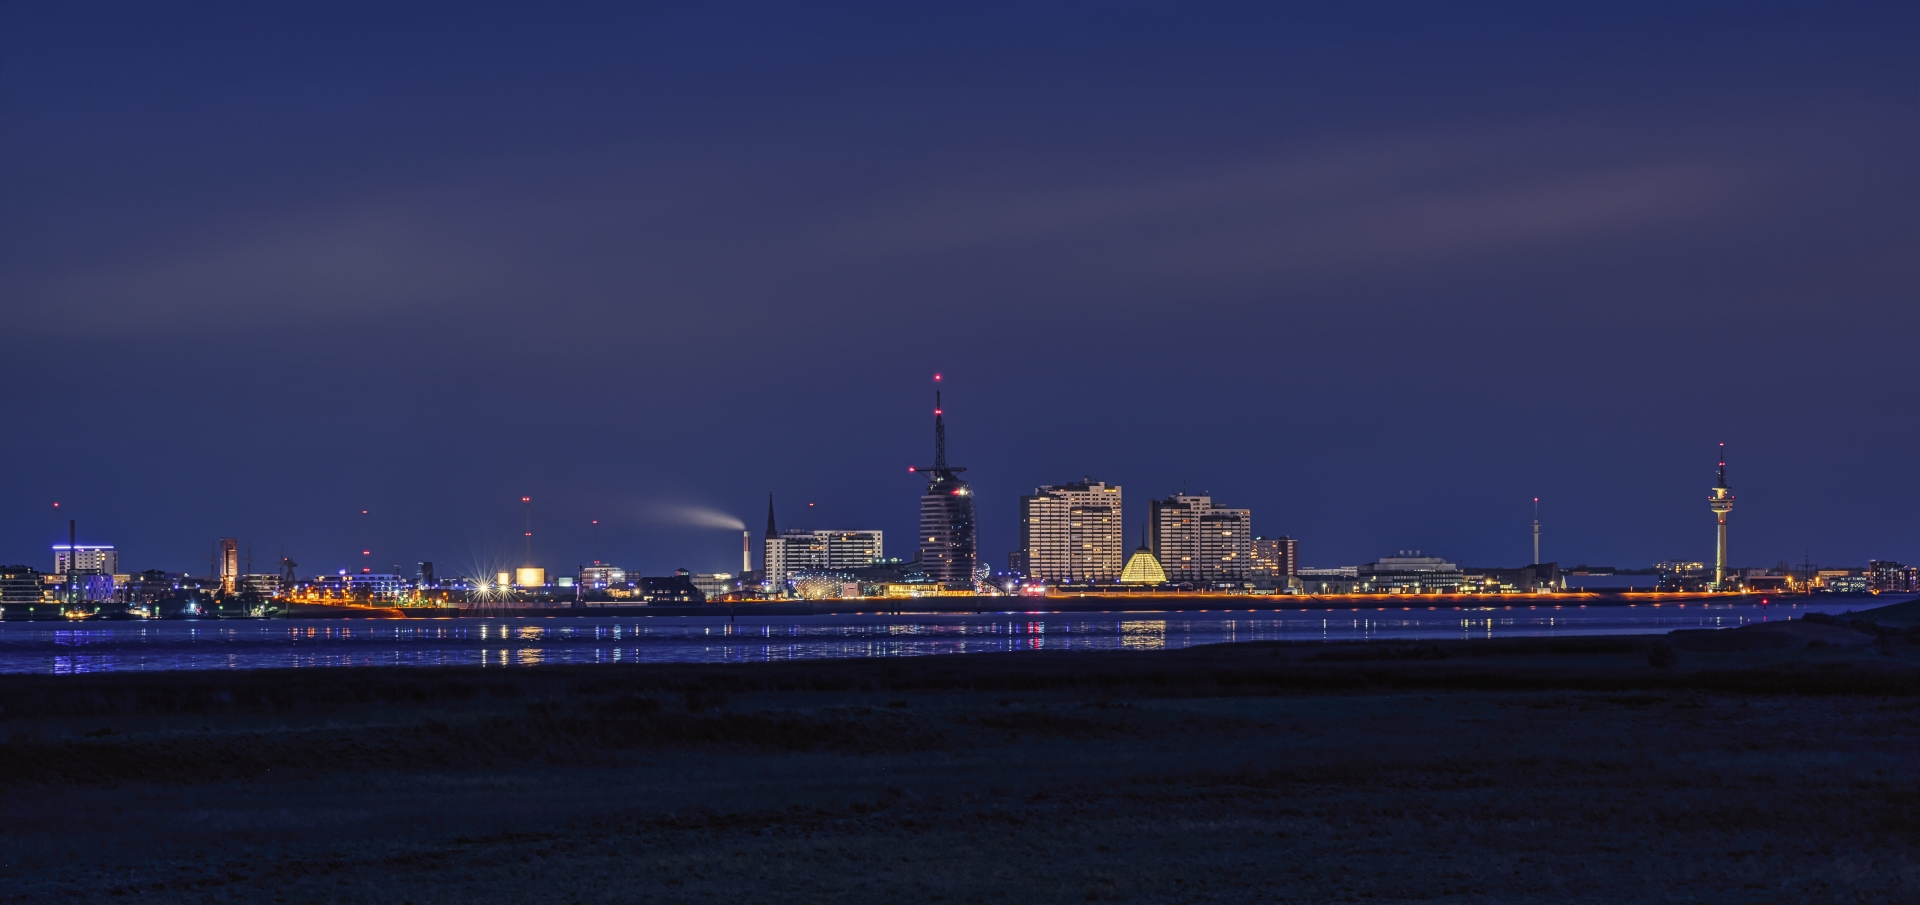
(812, 546)
(1382, 280)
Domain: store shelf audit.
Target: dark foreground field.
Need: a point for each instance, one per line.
(1756, 766)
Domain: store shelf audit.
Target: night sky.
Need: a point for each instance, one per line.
(1383, 273)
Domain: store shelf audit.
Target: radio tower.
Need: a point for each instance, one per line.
(527, 501)
(1721, 502)
(1536, 531)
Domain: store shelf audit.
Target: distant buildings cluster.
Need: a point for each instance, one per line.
(1073, 539)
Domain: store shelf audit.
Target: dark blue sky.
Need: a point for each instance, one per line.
(1383, 273)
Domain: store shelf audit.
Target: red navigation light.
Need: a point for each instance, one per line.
(366, 553)
(526, 499)
(911, 468)
(56, 504)
(937, 377)
(938, 412)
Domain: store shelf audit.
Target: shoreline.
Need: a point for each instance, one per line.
(971, 605)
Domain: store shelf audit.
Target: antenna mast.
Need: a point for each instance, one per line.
(527, 501)
(939, 428)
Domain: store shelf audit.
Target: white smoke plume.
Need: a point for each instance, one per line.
(697, 516)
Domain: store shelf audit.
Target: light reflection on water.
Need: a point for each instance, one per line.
(40, 647)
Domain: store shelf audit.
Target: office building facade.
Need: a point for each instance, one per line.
(94, 559)
(1410, 573)
(1199, 543)
(1072, 533)
(1276, 560)
(795, 550)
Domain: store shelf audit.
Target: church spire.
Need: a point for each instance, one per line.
(770, 531)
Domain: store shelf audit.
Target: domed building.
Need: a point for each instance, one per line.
(1143, 568)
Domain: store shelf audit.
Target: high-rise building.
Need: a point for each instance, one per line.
(1072, 532)
(1275, 559)
(948, 546)
(1200, 543)
(1721, 502)
(94, 559)
(227, 562)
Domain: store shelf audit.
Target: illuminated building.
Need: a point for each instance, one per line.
(1275, 560)
(262, 585)
(92, 568)
(360, 585)
(715, 584)
(1342, 580)
(1199, 543)
(20, 584)
(948, 547)
(227, 562)
(1885, 576)
(151, 586)
(1844, 581)
(671, 589)
(530, 577)
(1410, 573)
(600, 577)
(96, 559)
(1142, 568)
(1532, 579)
(795, 550)
(1071, 532)
(1721, 502)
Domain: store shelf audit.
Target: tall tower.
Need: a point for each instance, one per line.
(948, 548)
(1721, 502)
(526, 502)
(1536, 531)
(229, 563)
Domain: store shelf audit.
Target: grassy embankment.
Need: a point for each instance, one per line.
(1762, 764)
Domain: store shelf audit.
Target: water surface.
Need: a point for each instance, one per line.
(48, 647)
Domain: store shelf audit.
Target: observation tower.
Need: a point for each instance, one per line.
(1721, 502)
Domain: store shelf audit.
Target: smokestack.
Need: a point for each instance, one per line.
(746, 557)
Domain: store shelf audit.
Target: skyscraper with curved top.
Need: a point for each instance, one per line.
(948, 549)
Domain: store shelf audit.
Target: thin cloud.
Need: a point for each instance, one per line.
(1386, 202)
